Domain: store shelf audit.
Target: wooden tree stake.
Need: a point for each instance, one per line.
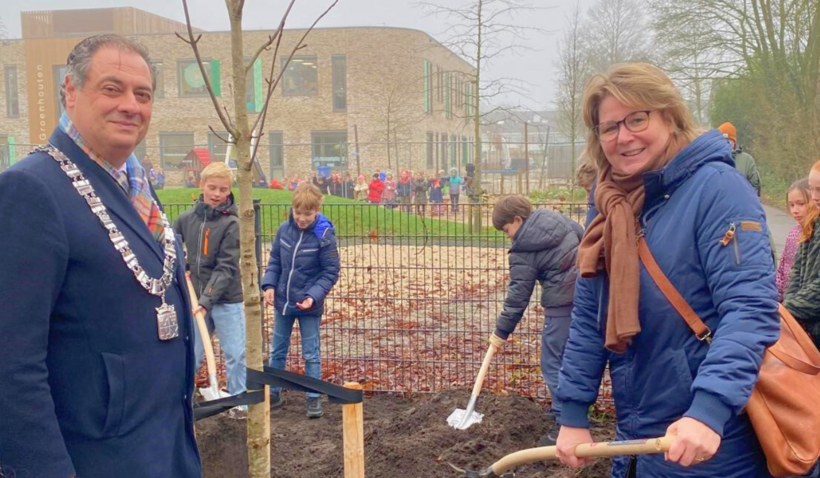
(353, 436)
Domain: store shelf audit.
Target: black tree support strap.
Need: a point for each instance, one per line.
(215, 407)
(294, 381)
(278, 378)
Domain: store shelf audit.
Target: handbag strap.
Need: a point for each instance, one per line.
(700, 329)
(697, 325)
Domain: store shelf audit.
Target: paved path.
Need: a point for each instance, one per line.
(780, 223)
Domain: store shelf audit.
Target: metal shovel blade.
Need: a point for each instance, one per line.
(464, 419)
(213, 392)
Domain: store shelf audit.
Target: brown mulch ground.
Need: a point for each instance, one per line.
(404, 437)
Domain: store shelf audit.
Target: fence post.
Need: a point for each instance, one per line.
(502, 183)
(353, 436)
(257, 229)
(520, 187)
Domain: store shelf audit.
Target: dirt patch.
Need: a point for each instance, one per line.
(406, 437)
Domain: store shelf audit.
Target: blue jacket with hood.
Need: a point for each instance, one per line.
(667, 373)
(303, 263)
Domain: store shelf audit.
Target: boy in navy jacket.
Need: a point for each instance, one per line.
(303, 267)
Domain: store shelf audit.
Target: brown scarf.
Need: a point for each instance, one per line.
(612, 236)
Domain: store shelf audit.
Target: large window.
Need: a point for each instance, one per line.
(4, 152)
(428, 87)
(430, 149)
(277, 158)
(217, 147)
(190, 80)
(339, 70)
(254, 87)
(174, 147)
(300, 77)
(443, 146)
(329, 147)
(159, 90)
(12, 95)
(141, 152)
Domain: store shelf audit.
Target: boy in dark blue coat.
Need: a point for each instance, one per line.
(303, 267)
(544, 248)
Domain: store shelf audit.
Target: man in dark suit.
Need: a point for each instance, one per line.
(95, 329)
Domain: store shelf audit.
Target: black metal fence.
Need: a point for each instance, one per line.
(417, 299)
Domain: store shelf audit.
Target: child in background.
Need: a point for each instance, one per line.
(585, 175)
(420, 187)
(404, 189)
(361, 189)
(321, 183)
(436, 197)
(389, 194)
(804, 281)
(455, 183)
(348, 186)
(375, 189)
(294, 183)
(303, 268)
(799, 200)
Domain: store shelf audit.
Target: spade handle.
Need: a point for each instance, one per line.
(482, 373)
(612, 448)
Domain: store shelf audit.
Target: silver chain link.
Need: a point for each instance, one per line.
(155, 287)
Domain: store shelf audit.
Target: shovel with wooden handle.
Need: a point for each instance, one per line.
(463, 419)
(503, 467)
(212, 392)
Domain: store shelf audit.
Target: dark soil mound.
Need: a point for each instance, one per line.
(404, 437)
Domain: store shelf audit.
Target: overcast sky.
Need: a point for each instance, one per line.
(534, 67)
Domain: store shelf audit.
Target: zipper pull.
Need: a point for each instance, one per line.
(730, 234)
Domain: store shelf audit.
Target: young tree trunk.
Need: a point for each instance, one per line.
(258, 415)
(476, 219)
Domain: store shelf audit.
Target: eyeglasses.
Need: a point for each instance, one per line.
(635, 122)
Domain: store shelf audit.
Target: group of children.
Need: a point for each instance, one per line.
(443, 190)
(418, 190)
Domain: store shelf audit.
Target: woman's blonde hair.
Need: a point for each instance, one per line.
(812, 215)
(639, 86)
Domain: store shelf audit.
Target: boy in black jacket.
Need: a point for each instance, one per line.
(544, 246)
(211, 235)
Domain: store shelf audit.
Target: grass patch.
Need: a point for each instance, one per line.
(350, 218)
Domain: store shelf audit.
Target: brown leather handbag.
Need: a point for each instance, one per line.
(785, 404)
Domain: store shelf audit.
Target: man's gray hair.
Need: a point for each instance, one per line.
(79, 60)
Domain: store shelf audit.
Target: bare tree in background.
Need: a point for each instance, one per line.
(616, 31)
(397, 106)
(4, 32)
(573, 71)
(773, 46)
(240, 130)
(481, 31)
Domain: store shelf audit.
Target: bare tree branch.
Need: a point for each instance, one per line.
(264, 47)
(220, 137)
(259, 124)
(193, 43)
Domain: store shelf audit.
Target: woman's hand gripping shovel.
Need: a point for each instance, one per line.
(212, 392)
(504, 467)
(463, 419)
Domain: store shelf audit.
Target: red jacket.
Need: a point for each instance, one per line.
(376, 187)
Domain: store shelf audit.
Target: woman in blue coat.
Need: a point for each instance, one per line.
(663, 180)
